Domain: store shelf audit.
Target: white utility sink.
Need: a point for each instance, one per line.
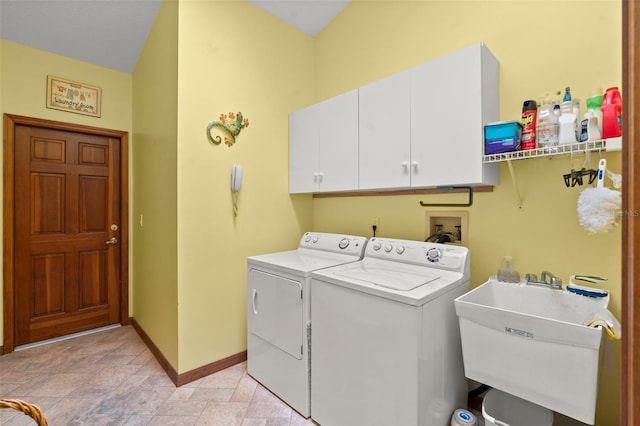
(531, 342)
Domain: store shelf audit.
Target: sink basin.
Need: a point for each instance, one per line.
(531, 342)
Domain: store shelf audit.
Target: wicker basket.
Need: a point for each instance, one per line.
(29, 409)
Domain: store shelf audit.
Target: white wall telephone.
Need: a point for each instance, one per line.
(236, 178)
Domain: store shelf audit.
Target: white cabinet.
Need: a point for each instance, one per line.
(323, 146)
(384, 124)
(423, 127)
(303, 150)
(452, 97)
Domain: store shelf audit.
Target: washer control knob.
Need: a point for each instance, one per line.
(307, 238)
(433, 254)
(400, 249)
(376, 246)
(315, 238)
(388, 248)
(344, 243)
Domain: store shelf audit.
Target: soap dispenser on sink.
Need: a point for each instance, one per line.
(506, 273)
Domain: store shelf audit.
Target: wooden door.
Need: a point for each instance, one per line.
(67, 229)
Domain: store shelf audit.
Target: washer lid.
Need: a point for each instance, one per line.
(406, 283)
(389, 277)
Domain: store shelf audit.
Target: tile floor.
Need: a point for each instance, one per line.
(111, 378)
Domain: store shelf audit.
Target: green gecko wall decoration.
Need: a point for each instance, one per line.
(231, 124)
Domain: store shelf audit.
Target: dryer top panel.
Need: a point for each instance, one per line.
(316, 251)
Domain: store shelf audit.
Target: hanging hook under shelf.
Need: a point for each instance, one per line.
(452, 188)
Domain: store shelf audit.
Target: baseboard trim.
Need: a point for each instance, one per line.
(1, 350)
(208, 369)
(189, 376)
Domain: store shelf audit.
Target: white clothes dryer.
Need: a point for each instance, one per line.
(386, 342)
(278, 317)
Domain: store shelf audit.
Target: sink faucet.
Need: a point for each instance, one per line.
(547, 279)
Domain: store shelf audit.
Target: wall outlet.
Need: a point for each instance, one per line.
(141, 220)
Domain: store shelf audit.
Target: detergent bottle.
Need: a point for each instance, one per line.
(611, 113)
(594, 105)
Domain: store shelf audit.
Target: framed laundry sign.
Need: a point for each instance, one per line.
(71, 96)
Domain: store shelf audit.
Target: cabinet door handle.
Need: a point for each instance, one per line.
(405, 164)
(414, 164)
(320, 176)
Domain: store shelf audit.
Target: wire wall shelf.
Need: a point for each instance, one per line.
(609, 145)
(613, 144)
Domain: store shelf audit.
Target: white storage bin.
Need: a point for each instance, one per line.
(501, 409)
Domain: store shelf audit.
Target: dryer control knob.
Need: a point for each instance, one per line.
(344, 243)
(388, 248)
(307, 238)
(315, 238)
(433, 254)
(400, 249)
(376, 246)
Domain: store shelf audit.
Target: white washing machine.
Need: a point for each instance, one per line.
(278, 345)
(386, 342)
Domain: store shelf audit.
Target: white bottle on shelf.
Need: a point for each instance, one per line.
(567, 124)
(547, 131)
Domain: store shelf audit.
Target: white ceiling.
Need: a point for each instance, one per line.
(309, 16)
(112, 33)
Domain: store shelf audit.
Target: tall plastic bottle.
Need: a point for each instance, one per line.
(594, 105)
(567, 124)
(556, 104)
(529, 116)
(611, 113)
(547, 127)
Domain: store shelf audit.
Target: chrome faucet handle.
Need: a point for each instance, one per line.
(531, 278)
(545, 275)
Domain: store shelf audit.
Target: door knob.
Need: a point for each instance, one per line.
(113, 240)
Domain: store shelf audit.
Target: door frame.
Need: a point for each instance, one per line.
(630, 362)
(10, 122)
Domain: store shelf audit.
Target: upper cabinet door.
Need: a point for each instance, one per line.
(303, 150)
(338, 143)
(452, 97)
(384, 124)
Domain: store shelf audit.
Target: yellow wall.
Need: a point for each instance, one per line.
(190, 258)
(154, 195)
(207, 58)
(23, 83)
(567, 43)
